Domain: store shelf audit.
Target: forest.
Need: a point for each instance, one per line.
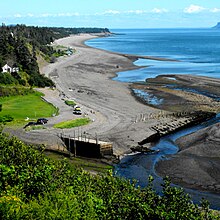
(20, 45)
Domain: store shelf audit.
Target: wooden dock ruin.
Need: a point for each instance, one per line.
(179, 122)
(85, 147)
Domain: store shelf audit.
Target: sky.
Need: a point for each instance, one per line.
(112, 14)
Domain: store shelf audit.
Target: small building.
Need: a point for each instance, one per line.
(6, 68)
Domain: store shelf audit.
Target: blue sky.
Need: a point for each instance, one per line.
(112, 13)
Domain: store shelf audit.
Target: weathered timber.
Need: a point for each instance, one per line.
(179, 123)
(87, 147)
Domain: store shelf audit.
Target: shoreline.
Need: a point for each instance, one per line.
(86, 77)
(115, 108)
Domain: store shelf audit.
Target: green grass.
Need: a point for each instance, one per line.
(88, 164)
(70, 102)
(21, 107)
(34, 127)
(73, 123)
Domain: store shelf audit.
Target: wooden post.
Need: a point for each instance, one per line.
(74, 144)
(97, 140)
(69, 145)
(78, 133)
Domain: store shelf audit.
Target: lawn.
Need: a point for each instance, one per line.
(73, 123)
(31, 106)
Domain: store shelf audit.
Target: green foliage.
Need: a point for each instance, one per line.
(19, 45)
(33, 186)
(22, 106)
(6, 118)
(14, 91)
(7, 79)
(73, 123)
(70, 102)
(35, 127)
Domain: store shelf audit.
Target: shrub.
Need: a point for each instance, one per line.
(70, 102)
(73, 123)
(6, 118)
(33, 186)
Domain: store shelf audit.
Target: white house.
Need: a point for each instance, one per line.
(6, 68)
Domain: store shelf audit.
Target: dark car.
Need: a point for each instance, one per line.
(30, 124)
(42, 121)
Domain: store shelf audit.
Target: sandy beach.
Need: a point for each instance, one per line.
(86, 78)
(118, 117)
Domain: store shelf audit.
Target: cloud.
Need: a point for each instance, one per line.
(30, 15)
(193, 9)
(136, 12)
(17, 16)
(109, 12)
(159, 10)
(46, 15)
(215, 10)
(67, 14)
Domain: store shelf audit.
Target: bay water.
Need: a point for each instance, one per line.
(198, 51)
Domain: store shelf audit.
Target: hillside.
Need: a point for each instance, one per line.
(20, 45)
(34, 186)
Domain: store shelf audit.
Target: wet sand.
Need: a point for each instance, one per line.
(117, 116)
(197, 163)
(85, 77)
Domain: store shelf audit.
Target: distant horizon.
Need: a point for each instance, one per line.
(113, 14)
(113, 27)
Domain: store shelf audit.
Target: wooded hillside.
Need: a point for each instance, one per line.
(19, 46)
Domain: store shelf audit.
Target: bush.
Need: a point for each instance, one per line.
(70, 103)
(33, 186)
(6, 118)
(7, 79)
(73, 123)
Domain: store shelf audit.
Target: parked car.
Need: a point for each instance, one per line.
(77, 110)
(42, 121)
(29, 124)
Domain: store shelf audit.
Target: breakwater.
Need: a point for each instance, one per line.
(180, 121)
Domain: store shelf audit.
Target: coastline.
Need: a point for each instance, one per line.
(86, 77)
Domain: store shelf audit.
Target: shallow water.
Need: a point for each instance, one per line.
(198, 51)
(139, 166)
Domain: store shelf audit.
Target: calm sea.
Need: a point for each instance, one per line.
(197, 49)
(199, 53)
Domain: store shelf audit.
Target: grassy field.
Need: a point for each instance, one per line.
(73, 123)
(70, 102)
(31, 106)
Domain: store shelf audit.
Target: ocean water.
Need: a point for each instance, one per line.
(198, 51)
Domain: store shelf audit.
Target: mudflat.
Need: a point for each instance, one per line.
(86, 78)
(117, 116)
